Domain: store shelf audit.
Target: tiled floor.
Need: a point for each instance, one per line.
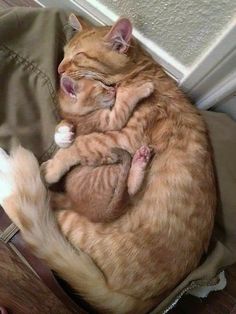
(223, 302)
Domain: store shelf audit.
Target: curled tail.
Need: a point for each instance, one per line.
(118, 202)
(25, 200)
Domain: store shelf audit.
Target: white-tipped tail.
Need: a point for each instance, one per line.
(25, 200)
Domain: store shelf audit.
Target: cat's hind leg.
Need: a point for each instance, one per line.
(78, 153)
(138, 168)
(117, 205)
(99, 193)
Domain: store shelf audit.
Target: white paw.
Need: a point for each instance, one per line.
(64, 137)
(6, 177)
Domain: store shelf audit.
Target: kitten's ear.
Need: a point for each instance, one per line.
(120, 35)
(74, 22)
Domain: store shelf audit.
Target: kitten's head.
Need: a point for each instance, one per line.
(104, 53)
(85, 96)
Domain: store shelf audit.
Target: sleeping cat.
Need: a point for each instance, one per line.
(100, 193)
(128, 265)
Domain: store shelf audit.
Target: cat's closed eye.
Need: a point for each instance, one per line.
(80, 53)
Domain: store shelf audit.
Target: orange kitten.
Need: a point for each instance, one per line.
(132, 263)
(100, 193)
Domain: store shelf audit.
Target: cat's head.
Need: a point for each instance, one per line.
(104, 53)
(84, 96)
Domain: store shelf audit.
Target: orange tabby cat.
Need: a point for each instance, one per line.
(130, 264)
(99, 193)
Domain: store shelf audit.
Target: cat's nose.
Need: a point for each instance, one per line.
(62, 67)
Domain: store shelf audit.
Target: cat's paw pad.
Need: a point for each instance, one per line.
(49, 172)
(6, 179)
(64, 136)
(142, 156)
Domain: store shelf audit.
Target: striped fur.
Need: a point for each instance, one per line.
(145, 253)
(101, 194)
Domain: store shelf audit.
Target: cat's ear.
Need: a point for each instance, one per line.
(120, 35)
(74, 22)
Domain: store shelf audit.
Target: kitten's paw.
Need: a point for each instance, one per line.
(141, 157)
(49, 172)
(64, 136)
(147, 89)
(6, 176)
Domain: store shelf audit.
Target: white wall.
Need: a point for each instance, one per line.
(183, 28)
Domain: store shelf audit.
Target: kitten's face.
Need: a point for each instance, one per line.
(85, 96)
(102, 53)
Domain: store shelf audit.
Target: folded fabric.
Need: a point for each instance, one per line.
(31, 48)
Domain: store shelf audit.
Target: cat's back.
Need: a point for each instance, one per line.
(168, 225)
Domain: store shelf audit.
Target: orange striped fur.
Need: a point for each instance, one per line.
(101, 193)
(141, 256)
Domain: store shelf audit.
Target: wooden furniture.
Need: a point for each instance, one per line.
(21, 291)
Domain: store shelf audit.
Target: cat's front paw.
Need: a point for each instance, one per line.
(64, 135)
(147, 89)
(50, 172)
